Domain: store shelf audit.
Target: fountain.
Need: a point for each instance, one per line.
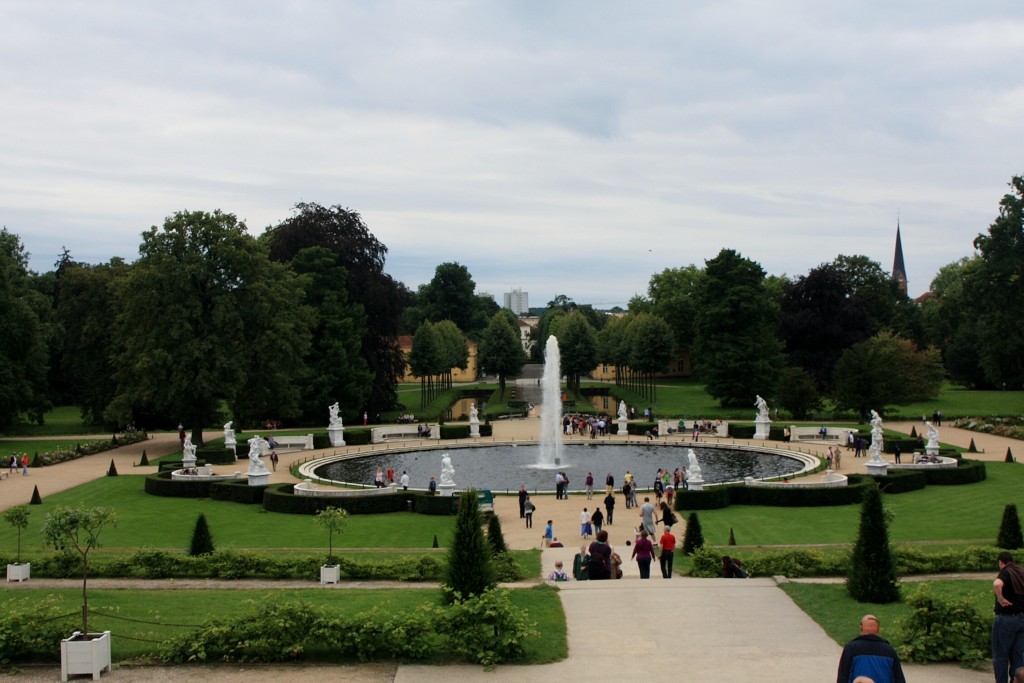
(551, 408)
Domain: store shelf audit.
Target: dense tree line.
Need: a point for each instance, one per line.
(283, 324)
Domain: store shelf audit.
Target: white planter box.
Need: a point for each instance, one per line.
(330, 573)
(85, 654)
(19, 572)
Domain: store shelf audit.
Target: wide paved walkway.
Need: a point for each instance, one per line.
(677, 630)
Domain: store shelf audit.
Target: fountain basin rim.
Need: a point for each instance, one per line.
(308, 469)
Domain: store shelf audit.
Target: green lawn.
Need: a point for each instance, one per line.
(184, 609)
(937, 513)
(60, 421)
(839, 614)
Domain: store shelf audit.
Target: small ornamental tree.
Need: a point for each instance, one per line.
(17, 517)
(694, 538)
(78, 528)
(495, 536)
(872, 575)
(1010, 536)
(333, 519)
(469, 571)
(202, 540)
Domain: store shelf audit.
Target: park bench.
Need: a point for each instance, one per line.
(832, 434)
(403, 431)
(303, 442)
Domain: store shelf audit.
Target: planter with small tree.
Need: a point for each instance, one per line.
(17, 517)
(333, 519)
(79, 528)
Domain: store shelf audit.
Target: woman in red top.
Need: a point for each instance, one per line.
(668, 552)
(643, 552)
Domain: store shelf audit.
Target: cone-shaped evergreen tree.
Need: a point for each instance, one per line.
(1010, 536)
(872, 576)
(732, 537)
(36, 498)
(436, 544)
(1009, 455)
(112, 470)
(145, 460)
(469, 571)
(913, 432)
(202, 541)
(495, 536)
(36, 462)
(972, 448)
(694, 538)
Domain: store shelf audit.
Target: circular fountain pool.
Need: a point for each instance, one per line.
(505, 467)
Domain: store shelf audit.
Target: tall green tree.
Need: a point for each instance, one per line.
(995, 291)
(500, 352)
(426, 360)
(205, 316)
(674, 294)
(885, 371)
(454, 350)
(577, 346)
(613, 345)
(950, 324)
(469, 569)
(872, 576)
(335, 370)
(451, 295)
(736, 351)
(24, 353)
(797, 392)
(382, 297)
(651, 344)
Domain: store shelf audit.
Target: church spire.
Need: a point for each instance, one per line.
(899, 269)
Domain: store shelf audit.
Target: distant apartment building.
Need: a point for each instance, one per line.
(518, 301)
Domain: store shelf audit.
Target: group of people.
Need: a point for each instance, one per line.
(585, 425)
(382, 479)
(14, 461)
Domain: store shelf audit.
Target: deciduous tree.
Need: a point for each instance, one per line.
(501, 353)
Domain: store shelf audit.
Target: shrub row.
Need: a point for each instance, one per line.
(801, 562)
(968, 472)
(487, 630)
(216, 455)
(90, 448)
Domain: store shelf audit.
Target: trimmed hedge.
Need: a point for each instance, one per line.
(237, 491)
(454, 431)
(282, 498)
(170, 465)
(967, 472)
(161, 484)
(216, 455)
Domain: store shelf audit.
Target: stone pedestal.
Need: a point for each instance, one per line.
(446, 489)
(623, 425)
(695, 484)
(932, 448)
(336, 435)
(259, 479)
(474, 429)
(876, 469)
(762, 427)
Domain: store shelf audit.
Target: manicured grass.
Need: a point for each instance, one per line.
(191, 608)
(157, 522)
(956, 401)
(938, 513)
(59, 421)
(839, 614)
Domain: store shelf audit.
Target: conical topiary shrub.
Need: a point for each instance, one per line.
(913, 432)
(436, 544)
(694, 538)
(972, 448)
(1010, 536)
(872, 575)
(1009, 455)
(732, 537)
(36, 462)
(469, 570)
(36, 498)
(494, 535)
(112, 470)
(144, 461)
(202, 540)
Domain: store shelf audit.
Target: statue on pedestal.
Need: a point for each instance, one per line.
(335, 420)
(256, 466)
(474, 416)
(693, 471)
(762, 407)
(623, 415)
(447, 471)
(188, 450)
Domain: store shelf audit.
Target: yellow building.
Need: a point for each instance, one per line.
(458, 375)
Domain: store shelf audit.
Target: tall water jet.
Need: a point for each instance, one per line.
(551, 406)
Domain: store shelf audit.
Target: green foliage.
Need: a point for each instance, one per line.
(1010, 536)
(202, 539)
(577, 347)
(797, 392)
(333, 519)
(487, 630)
(30, 628)
(732, 537)
(872, 575)
(17, 517)
(470, 571)
(495, 536)
(886, 370)
(943, 630)
(506, 568)
(694, 538)
(501, 352)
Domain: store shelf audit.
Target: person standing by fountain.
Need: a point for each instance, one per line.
(549, 534)
(590, 485)
(528, 509)
(609, 484)
(522, 501)
(609, 505)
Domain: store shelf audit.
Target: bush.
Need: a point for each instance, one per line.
(966, 472)
(1010, 537)
(454, 431)
(469, 571)
(495, 536)
(942, 630)
(202, 540)
(872, 575)
(282, 498)
(694, 538)
(161, 484)
(31, 628)
(237, 491)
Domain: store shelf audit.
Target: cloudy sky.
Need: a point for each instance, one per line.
(564, 147)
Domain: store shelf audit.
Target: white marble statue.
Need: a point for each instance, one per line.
(762, 407)
(335, 417)
(447, 471)
(623, 413)
(933, 433)
(188, 450)
(694, 468)
(474, 416)
(256, 447)
(229, 433)
(877, 437)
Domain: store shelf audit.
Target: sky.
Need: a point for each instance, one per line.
(561, 147)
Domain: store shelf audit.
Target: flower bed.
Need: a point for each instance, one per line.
(88, 448)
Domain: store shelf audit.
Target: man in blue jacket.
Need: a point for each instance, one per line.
(870, 655)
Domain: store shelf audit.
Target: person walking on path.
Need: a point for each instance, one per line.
(609, 485)
(643, 553)
(667, 543)
(549, 534)
(1008, 627)
(528, 508)
(609, 505)
(870, 655)
(585, 527)
(647, 517)
(24, 464)
(598, 519)
(522, 501)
